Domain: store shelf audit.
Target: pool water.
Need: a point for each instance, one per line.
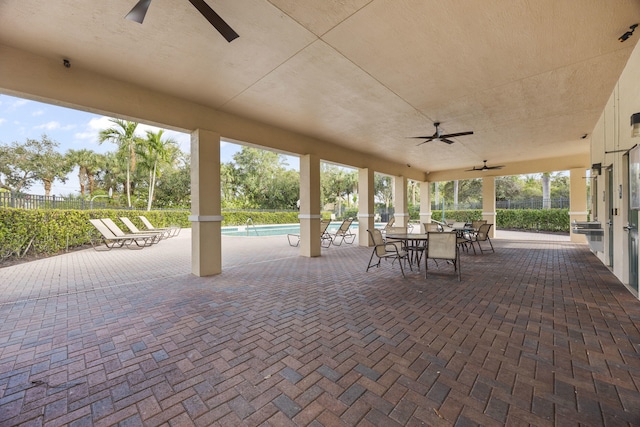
(275, 229)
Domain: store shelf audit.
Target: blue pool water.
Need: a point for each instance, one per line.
(274, 229)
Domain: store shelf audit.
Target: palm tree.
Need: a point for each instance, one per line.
(155, 151)
(85, 160)
(123, 134)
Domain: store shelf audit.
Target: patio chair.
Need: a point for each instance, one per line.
(476, 224)
(443, 246)
(389, 224)
(325, 237)
(482, 236)
(117, 231)
(343, 233)
(170, 231)
(432, 226)
(111, 241)
(387, 250)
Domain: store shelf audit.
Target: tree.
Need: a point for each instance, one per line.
(123, 134)
(87, 162)
(263, 181)
(52, 166)
(154, 151)
(383, 188)
(337, 184)
(22, 165)
(174, 186)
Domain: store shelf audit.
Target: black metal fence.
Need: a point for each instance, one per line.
(30, 201)
(10, 199)
(533, 203)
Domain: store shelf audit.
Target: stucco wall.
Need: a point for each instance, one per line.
(610, 140)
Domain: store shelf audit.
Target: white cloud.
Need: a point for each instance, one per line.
(2, 120)
(53, 125)
(37, 113)
(17, 103)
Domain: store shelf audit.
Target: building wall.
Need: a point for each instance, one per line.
(610, 139)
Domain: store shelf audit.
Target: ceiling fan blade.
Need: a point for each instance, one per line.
(430, 137)
(215, 20)
(139, 11)
(448, 141)
(420, 143)
(493, 167)
(453, 135)
(471, 170)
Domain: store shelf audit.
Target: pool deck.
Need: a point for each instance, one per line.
(537, 333)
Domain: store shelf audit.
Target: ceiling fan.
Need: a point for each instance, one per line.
(484, 167)
(140, 9)
(438, 135)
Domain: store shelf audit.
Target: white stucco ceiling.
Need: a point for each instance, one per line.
(529, 77)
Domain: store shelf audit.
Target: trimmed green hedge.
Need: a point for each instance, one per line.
(553, 220)
(44, 232)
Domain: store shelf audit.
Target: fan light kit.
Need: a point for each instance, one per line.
(140, 10)
(438, 135)
(485, 167)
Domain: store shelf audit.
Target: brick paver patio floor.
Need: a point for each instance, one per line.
(537, 333)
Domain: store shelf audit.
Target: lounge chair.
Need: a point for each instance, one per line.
(151, 237)
(443, 246)
(170, 231)
(325, 237)
(111, 241)
(343, 233)
(387, 250)
(134, 230)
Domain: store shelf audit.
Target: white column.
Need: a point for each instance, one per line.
(489, 202)
(310, 244)
(578, 201)
(365, 205)
(206, 219)
(401, 212)
(425, 203)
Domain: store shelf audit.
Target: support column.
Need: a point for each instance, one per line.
(365, 205)
(310, 244)
(489, 202)
(206, 219)
(400, 201)
(577, 201)
(425, 203)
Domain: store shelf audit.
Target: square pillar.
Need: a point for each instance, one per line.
(310, 244)
(577, 201)
(365, 205)
(425, 203)
(206, 219)
(401, 212)
(489, 202)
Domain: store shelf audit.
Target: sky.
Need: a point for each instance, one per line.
(22, 119)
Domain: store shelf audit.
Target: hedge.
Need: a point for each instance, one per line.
(552, 220)
(45, 232)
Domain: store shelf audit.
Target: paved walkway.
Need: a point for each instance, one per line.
(537, 333)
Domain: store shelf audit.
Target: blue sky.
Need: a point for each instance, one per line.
(22, 119)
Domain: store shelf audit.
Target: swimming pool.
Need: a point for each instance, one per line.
(275, 229)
